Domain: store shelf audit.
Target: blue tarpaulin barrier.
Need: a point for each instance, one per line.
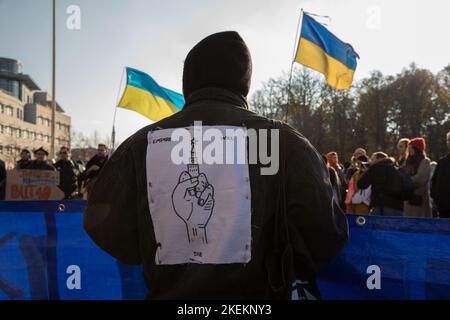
(45, 254)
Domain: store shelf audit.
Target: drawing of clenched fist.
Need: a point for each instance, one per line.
(193, 202)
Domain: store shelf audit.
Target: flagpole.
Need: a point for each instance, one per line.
(299, 26)
(113, 133)
(52, 142)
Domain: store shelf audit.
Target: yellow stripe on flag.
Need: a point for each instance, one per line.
(338, 75)
(147, 104)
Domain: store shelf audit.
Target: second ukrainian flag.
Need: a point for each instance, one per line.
(322, 51)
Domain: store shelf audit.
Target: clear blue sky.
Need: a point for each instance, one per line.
(155, 36)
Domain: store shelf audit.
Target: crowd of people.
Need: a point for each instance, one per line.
(75, 178)
(409, 184)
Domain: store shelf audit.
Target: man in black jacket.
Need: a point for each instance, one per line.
(68, 173)
(440, 184)
(135, 199)
(383, 176)
(25, 159)
(94, 166)
(2, 180)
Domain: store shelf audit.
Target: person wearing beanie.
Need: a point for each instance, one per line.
(212, 231)
(417, 165)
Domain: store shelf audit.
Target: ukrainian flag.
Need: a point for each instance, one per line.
(143, 95)
(322, 51)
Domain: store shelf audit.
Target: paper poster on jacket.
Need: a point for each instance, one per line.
(201, 212)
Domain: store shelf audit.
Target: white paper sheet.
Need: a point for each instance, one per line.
(201, 213)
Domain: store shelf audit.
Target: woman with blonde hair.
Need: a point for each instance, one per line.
(402, 148)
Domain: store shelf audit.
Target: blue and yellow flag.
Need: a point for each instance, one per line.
(143, 95)
(322, 51)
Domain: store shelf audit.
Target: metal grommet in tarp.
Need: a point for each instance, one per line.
(61, 207)
(360, 221)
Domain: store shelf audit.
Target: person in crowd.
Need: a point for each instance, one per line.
(417, 165)
(68, 174)
(440, 184)
(25, 159)
(2, 180)
(140, 221)
(358, 199)
(333, 162)
(386, 181)
(351, 169)
(94, 166)
(402, 149)
(335, 182)
(40, 162)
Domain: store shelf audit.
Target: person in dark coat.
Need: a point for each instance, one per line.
(335, 181)
(25, 159)
(94, 166)
(68, 174)
(2, 180)
(382, 175)
(440, 184)
(121, 206)
(40, 162)
(333, 162)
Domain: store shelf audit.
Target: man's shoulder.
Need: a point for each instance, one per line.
(296, 139)
(445, 161)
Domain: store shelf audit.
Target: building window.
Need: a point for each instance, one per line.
(1, 149)
(33, 135)
(25, 134)
(18, 113)
(1, 108)
(1, 128)
(18, 133)
(10, 111)
(11, 86)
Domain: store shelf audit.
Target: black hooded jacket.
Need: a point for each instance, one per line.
(118, 217)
